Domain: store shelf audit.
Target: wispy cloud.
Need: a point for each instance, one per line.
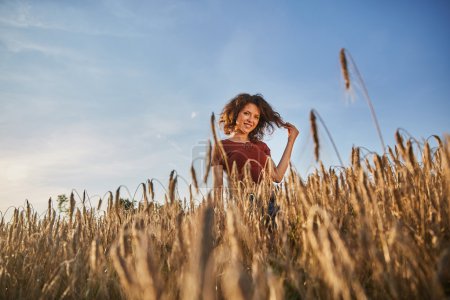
(55, 16)
(17, 43)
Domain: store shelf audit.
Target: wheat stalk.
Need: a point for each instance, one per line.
(314, 131)
(345, 73)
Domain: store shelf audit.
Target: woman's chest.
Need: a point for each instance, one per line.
(245, 152)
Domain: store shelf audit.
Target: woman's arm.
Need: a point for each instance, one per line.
(280, 169)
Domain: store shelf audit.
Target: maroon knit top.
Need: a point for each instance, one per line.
(253, 153)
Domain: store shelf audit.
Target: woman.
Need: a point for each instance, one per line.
(246, 119)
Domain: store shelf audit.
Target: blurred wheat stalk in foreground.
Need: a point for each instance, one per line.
(378, 229)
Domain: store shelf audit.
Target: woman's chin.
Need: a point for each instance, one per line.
(245, 130)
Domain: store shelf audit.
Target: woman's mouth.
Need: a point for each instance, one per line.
(248, 125)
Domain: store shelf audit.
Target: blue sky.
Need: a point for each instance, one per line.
(96, 94)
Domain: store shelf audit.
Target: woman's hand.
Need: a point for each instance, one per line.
(282, 166)
(292, 132)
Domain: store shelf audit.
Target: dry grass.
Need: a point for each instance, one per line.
(379, 229)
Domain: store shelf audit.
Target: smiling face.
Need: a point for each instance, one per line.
(248, 118)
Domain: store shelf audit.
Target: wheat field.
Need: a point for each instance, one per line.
(378, 228)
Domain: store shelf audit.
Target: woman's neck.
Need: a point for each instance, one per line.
(239, 137)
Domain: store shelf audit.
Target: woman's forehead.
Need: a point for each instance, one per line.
(251, 107)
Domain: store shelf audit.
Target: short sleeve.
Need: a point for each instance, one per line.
(266, 149)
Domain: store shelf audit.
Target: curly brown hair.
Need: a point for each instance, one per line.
(268, 117)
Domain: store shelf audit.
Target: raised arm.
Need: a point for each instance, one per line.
(280, 169)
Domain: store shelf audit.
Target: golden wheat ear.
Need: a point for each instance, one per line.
(194, 177)
(313, 115)
(344, 68)
(347, 61)
(315, 136)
